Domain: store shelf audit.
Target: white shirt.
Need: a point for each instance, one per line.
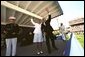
(37, 27)
(62, 29)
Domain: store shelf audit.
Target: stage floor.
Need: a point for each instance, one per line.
(30, 50)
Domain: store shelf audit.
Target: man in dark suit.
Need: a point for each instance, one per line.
(46, 27)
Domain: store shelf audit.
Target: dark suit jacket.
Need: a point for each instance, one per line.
(10, 29)
(47, 27)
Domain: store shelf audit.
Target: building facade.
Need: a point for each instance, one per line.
(77, 25)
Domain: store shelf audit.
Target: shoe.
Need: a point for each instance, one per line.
(49, 52)
(41, 52)
(38, 53)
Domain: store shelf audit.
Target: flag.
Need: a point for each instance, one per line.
(73, 47)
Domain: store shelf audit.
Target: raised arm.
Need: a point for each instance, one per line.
(49, 16)
(33, 22)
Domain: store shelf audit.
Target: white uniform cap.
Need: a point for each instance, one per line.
(11, 17)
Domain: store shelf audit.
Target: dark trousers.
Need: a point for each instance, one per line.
(48, 39)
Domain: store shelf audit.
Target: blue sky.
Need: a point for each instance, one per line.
(72, 10)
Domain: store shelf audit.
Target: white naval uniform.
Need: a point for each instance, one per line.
(37, 32)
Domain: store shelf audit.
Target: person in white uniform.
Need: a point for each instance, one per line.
(38, 39)
(62, 31)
